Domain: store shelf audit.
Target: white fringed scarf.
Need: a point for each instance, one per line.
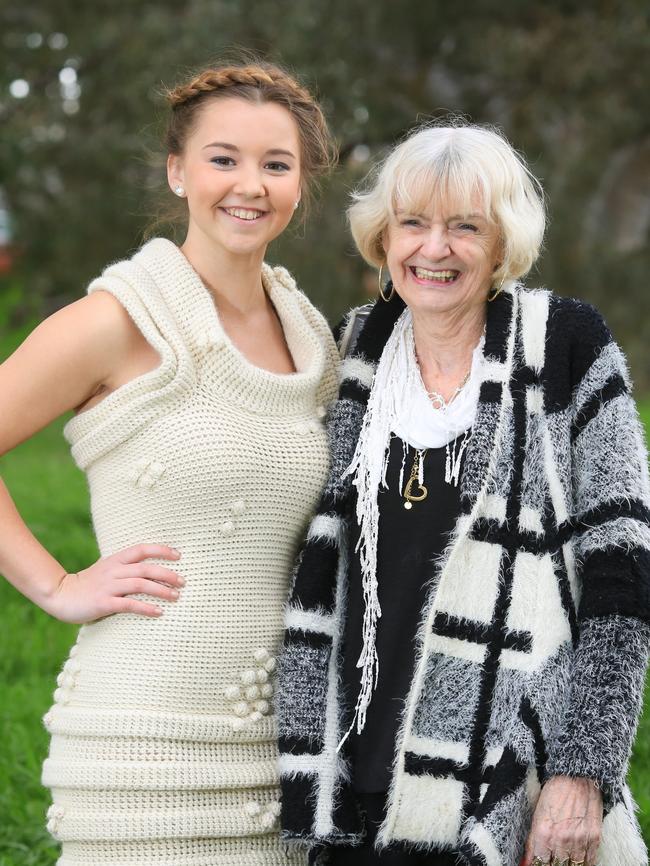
(397, 391)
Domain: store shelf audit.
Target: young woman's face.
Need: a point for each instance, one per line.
(240, 170)
(442, 259)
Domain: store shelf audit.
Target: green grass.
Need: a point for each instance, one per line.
(51, 494)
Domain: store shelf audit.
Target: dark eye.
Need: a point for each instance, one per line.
(277, 166)
(412, 221)
(223, 161)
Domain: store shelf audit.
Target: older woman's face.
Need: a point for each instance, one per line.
(441, 260)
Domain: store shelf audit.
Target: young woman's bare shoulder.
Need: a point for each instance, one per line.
(99, 317)
(71, 358)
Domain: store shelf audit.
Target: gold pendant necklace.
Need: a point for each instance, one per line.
(409, 496)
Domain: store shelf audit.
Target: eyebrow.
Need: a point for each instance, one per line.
(469, 216)
(274, 151)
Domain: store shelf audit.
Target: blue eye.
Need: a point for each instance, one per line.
(467, 227)
(410, 222)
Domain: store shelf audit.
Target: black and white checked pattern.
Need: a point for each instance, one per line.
(533, 644)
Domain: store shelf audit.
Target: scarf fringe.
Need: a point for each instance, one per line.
(391, 382)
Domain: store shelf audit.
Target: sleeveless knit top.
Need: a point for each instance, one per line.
(225, 462)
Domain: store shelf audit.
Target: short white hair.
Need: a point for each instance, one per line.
(453, 165)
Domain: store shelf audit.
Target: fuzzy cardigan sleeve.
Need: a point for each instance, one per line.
(611, 515)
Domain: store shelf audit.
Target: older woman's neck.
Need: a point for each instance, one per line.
(444, 342)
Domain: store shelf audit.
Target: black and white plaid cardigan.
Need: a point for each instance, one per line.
(533, 643)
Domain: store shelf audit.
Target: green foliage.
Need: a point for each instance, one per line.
(564, 80)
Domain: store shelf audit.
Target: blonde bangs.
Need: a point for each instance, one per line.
(443, 184)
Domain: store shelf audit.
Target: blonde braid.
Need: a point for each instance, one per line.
(214, 80)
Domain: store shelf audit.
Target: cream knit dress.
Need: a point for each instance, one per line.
(163, 743)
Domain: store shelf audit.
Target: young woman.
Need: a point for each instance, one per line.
(199, 377)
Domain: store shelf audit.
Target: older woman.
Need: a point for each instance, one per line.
(469, 626)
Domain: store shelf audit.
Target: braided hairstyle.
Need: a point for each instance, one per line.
(256, 82)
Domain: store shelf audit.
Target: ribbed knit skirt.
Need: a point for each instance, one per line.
(131, 801)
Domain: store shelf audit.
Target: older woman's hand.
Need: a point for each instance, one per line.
(566, 823)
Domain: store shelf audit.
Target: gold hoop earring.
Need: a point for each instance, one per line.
(496, 291)
(381, 288)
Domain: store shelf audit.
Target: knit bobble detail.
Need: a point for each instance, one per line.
(227, 528)
(241, 708)
(238, 507)
(147, 473)
(250, 698)
(266, 815)
(66, 680)
(55, 815)
(267, 820)
(233, 693)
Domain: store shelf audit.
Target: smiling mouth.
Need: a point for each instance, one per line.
(246, 214)
(442, 276)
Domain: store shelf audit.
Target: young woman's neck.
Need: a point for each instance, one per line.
(233, 280)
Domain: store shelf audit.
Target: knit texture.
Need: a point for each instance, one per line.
(163, 731)
(533, 642)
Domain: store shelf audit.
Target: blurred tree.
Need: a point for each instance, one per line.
(566, 81)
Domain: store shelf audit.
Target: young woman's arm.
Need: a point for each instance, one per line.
(71, 360)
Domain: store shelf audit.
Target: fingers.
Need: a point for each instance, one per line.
(134, 605)
(146, 551)
(133, 585)
(591, 853)
(151, 572)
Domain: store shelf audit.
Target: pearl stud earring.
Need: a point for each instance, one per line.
(179, 191)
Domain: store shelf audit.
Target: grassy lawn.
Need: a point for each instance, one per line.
(51, 494)
(35, 644)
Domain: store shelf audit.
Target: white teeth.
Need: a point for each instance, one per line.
(243, 214)
(425, 274)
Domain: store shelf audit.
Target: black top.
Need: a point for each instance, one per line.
(408, 542)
